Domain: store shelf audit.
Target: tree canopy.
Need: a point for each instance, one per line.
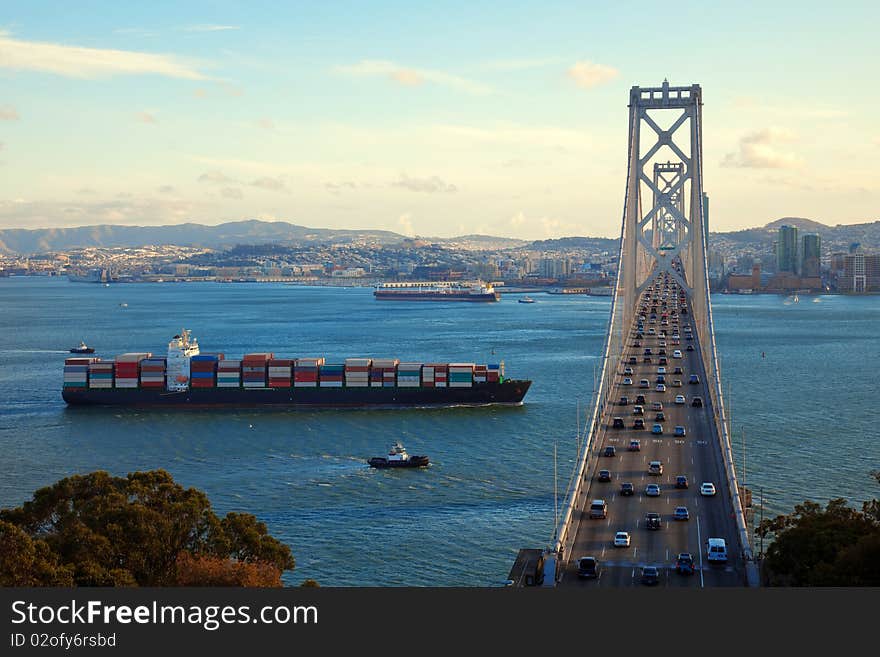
(140, 530)
(834, 546)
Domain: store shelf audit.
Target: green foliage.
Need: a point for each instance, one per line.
(99, 530)
(834, 546)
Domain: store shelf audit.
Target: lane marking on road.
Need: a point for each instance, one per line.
(700, 548)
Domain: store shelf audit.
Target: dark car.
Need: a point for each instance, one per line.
(640, 399)
(618, 423)
(588, 567)
(652, 520)
(660, 417)
(627, 489)
(647, 359)
(609, 451)
(633, 360)
(662, 352)
(604, 475)
(638, 423)
(662, 360)
(693, 378)
(698, 401)
(690, 347)
(624, 401)
(684, 564)
(681, 481)
(677, 370)
(650, 576)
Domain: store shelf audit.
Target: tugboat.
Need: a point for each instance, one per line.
(82, 349)
(398, 458)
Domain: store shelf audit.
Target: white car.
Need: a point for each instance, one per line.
(661, 387)
(621, 539)
(679, 399)
(627, 381)
(661, 370)
(676, 353)
(707, 489)
(652, 490)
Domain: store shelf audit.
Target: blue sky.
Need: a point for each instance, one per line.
(425, 118)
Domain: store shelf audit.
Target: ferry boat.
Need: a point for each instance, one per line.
(437, 291)
(398, 458)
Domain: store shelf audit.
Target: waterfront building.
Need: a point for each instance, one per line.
(811, 254)
(787, 250)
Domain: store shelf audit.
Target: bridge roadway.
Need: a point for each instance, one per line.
(697, 455)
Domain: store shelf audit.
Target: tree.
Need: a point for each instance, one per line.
(834, 546)
(100, 530)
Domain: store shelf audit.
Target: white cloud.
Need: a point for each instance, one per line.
(429, 185)
(409, 76)
(215, 176)
(270, 184)
(81, 62)
(24, 213)
(761, 150)
(406, 225)
(232, 192)
(8, 113)
(207, 27)
(589, 75)
(146, 117)
(166, 189)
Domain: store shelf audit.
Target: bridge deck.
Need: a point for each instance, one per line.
(697, 455)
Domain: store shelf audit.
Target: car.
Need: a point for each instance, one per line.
(609, 451)
(697, 401)
(707, 489)
(676, 383)
(681, 481)
(617, 423)
(647, 359)
(604, 475)
(693, 379)
(627, 371)
(656, 406)
(661, 370)
(660, 417)
(621, 539)
(690, 347)
(655, 468)
(632, 360)
(662, 343)
(652, 490)
(716, 550)
(623, 401)
(644, 383)
(661, 352)
(627, 381)
(661, 387)
(662, 360)
(676, 353)
(635, 445)
(657, 429)
(640, 399)
(588, 567)
(652, 331)
(598, 509)
(648, 351)
(679, 399)
(639, 424)
(627, 488)
(661, 378)
(679, 431)
(684, 564)
(637, 344)
(677, 370)
(638, 409)
(681, 513)
(653, 521)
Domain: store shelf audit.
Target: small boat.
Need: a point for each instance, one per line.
(123, 305)
(398, 458)
(82, 349)
(527, 300)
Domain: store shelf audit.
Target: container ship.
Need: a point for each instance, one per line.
(437, 291)
(187, 378)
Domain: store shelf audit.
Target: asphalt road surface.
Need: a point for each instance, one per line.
(696, 455)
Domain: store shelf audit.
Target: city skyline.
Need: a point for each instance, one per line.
(407, 119)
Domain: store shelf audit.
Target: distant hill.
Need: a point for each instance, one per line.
(190, 234)
(806, 225)
(479, 242)
(834, 238)
(596, 244)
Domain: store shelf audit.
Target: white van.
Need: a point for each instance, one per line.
(598, 509)
(716, 550)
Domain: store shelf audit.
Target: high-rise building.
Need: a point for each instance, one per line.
(787, 250)
(861, 273)
(810, 255)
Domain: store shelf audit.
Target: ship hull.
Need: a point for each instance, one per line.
(431, 296)
(510, 392)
